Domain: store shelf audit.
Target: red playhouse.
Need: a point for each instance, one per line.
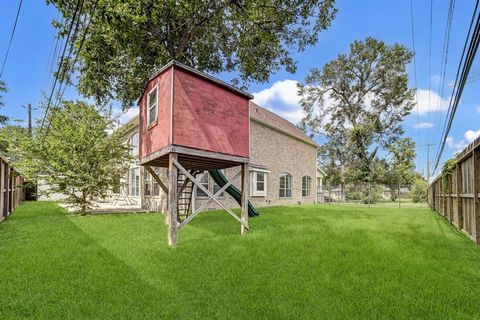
(191, 122)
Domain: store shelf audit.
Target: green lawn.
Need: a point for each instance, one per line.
(330, 262)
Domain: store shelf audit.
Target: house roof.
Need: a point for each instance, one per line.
(278, 123)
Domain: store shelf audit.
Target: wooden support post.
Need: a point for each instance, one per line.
(172, 199)
(245, 196)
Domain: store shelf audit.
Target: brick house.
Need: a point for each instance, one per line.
(283, 167)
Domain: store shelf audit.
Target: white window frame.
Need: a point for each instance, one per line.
(206, 184)
(134, 189)
(307, 191)
(134, 149)
(151, 122)
(285, 174)
(253, 186)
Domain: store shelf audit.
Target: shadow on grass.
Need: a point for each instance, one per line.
(51, 268)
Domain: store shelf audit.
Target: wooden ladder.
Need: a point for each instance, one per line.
(185, 193)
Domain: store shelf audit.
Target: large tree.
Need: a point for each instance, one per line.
(127, 39)
(357, 102)
(81, 156)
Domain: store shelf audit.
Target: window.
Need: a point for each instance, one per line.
(306, 186)
(133, 141)
(152, 101)
(204, 182)
(285, 188)
(259, 184)
(147, 184)
(135, 182)
(156, 186)
(216, 187)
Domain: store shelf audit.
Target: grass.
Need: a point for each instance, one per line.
(312, 261)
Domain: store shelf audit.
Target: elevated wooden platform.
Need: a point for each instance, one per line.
(194, 159)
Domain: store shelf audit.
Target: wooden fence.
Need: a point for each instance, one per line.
(12, 191)
(457, 197)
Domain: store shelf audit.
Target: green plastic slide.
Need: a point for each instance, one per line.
(221, 180)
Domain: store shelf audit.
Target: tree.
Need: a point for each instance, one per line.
(127, 39)
(3, 88)
(77, 157)
(357, 102)
(419, 190)
(400, 165)
(10, 134)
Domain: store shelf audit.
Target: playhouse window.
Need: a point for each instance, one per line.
(306, 186)
(259, 184)
(152, 101)
(285, 188)
(135, 182)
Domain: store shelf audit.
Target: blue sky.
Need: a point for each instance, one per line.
(26, 72)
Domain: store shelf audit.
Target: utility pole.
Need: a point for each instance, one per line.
(29, 110)
(30, 120)
(428, 145)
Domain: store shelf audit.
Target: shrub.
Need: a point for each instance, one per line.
(419, 190)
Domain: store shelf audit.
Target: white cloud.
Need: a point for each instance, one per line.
(471, 135)
(424, 125)
(282, 99)
(451, 84)
(459, 145)
(437, 103)
(456, 145)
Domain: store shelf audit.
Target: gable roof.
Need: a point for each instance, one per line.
(203, 75)
(274, 121)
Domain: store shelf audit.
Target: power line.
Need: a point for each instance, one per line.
(444, 61)
(60, 64)
(430, 59)
(414, 60)
(11, 37)
(82, 41)
(461, 79)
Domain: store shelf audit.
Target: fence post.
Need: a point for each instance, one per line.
(458, 172)
(476, 189)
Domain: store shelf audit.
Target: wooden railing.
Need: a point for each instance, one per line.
(457, 196)
(12, 191)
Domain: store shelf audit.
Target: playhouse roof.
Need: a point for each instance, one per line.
(198, 73)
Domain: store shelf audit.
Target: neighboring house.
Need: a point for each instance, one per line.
(283, 167)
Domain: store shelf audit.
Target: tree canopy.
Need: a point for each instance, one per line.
(357, 102)
(81, 157)
(128, 39)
